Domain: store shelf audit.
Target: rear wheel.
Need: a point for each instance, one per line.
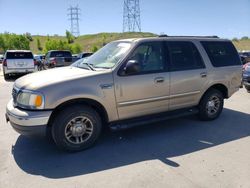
(211, 105)
(76, 128)
(6, 76)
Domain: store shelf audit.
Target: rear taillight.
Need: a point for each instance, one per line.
(35, 62)
(53, 60)
(5, 62)
(245, 67)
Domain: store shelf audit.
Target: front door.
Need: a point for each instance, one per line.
(147, 91)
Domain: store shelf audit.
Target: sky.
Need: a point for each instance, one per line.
(224, 18)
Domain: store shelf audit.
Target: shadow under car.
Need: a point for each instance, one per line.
(115, 149)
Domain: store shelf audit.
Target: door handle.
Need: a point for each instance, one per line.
(159, 80)
(203, 74)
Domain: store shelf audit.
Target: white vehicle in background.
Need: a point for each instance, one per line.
(18, 62)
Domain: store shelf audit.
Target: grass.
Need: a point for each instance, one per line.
(242, 44)
(87, 42)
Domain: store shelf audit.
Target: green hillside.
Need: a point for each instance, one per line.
(88, 42)
(243, 44)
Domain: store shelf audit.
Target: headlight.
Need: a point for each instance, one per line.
(30, 100)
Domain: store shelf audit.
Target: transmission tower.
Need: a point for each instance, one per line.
(74, 14)
(131, 16)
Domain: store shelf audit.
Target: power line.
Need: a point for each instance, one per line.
(131, 16)
(74, 14)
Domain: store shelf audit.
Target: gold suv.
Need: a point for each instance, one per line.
(124, 84)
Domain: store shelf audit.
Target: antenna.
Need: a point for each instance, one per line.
(131, 16)
(74, 14)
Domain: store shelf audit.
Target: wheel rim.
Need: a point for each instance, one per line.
(79, 130)
(213, 105)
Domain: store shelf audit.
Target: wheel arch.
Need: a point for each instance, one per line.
(97, 106)
(220, 87)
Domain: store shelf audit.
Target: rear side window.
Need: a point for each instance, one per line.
(60, 54)
(184, 56)
(221, 53)
(19, 55)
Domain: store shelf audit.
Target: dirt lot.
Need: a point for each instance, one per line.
(178, 153)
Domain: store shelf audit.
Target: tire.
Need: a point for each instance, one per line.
(211, 105)
(6, 76)
(76, 128)
(248, 89)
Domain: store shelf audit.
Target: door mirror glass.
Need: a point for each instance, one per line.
(132, 67)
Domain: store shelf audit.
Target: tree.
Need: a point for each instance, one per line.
(76, 48)
(69, 37)
(39, 46)
(235, 40)
(56, 45)
(244, 38)
(94, 49)
(28, 35)
(2, 44)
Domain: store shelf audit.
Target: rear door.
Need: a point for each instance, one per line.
(20, 60)
(67, 58)
(188, 74)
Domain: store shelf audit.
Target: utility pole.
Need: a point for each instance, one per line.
(131, 16)
(74, 14)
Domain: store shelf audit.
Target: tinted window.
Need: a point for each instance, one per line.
(221, 53)
(86, 55)
(184, 56)
(60, 54)
(19, 55)
(150, 56)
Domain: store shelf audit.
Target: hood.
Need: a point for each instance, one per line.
(48, 77)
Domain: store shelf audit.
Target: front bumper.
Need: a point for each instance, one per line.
(29, 123)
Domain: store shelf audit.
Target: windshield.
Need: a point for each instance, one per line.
(106, 57)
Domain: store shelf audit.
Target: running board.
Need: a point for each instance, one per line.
(129, 123)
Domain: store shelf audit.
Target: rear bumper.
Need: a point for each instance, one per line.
(19, 71)
(246, 84)
(246, 80)
(28, 123)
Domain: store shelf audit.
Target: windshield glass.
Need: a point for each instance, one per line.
(106, 57)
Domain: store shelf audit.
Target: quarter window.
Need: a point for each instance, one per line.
(184, 56)
(221, 53)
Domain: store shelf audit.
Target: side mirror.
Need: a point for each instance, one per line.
(132, 67)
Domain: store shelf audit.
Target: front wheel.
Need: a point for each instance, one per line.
(247, 88)
(76, 128)
(211, 105)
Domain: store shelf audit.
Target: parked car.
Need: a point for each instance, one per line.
(246, 76)
(39, 57)
(58, 58)
(18, 62)
(84, 54)
(126, 83)
(245, 57)
(1, 59)
(40, 61)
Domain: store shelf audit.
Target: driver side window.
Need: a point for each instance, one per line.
(150, 57)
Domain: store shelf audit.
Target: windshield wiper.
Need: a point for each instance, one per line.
(89, 66)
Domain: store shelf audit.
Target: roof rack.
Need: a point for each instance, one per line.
(214, 36)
